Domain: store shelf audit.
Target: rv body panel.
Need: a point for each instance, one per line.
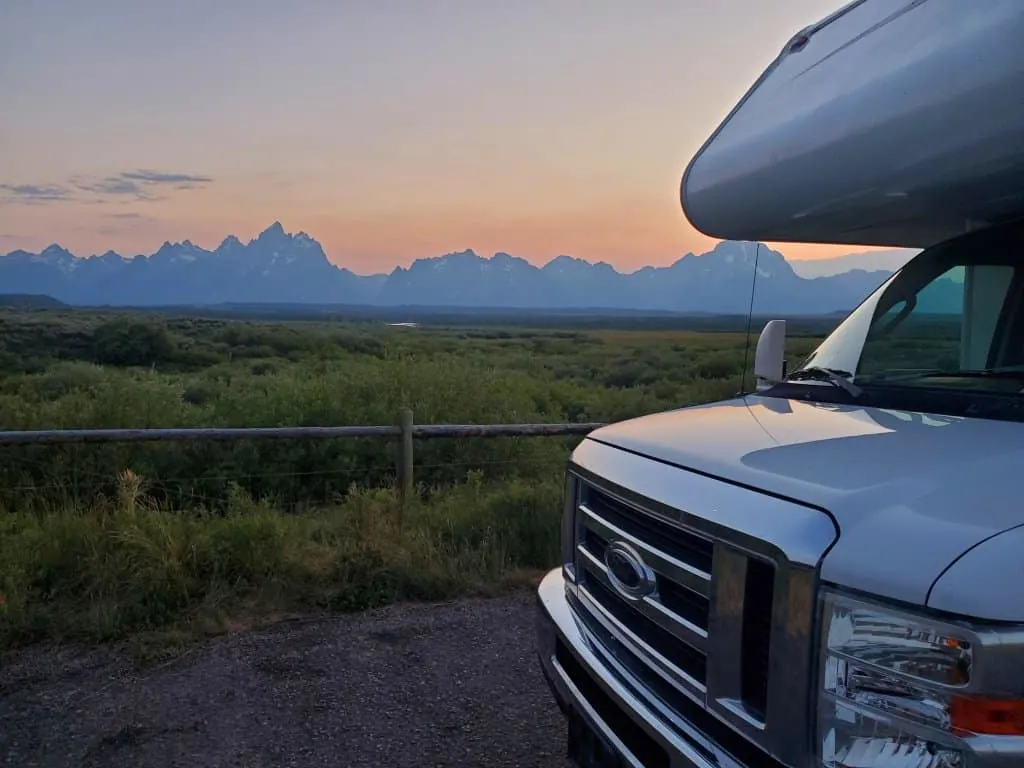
(881, 126)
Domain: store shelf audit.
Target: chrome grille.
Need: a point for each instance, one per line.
(671, 624)
(719, 640)
(671, 631)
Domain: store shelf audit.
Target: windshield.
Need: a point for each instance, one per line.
(950, 321)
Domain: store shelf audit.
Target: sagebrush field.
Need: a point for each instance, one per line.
(100, 541)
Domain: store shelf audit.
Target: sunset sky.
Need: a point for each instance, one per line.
(387, 129)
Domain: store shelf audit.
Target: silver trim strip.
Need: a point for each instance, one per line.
(684, 574)
(594, 720)
(556, 620)
(687, 729)
(671, 622)
(655, 660)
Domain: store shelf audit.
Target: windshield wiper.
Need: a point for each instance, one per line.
(836, 378)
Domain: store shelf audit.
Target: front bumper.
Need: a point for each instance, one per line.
(586, 689)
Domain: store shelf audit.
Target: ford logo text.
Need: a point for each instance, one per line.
(628, 573)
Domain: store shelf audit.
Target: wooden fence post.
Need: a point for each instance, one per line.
(405, 457)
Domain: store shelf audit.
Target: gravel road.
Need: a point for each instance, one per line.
(452, 684)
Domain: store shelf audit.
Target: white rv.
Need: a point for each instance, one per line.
(829, 570)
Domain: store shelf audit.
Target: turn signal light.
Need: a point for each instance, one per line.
(992, 717)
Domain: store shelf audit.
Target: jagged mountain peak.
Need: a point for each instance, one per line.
(274, 230)
(741, 248)
(185, 251)
(54, 254)
(467, 257)
(467, 254)
(731, 259)
(743, 252)
(508, 259)
(565, 261)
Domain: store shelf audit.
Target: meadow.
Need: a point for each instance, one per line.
(106, 541)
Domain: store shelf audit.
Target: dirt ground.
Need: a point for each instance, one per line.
(452, 684)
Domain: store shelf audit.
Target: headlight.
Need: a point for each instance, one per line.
(897, 690)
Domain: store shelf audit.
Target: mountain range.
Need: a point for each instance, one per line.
(888, 260)
(279, 267)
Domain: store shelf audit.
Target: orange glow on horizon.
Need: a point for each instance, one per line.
(628, 233)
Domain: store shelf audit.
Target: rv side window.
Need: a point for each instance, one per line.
(950, 324)
(989, 322)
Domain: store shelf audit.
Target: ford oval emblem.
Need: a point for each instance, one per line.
(627, 571)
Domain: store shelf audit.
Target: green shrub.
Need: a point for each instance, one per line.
(200, 392)
(127, 341)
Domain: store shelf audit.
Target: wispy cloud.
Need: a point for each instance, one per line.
(33, 193)
(143, 185)
(111, 186)
(180, 180)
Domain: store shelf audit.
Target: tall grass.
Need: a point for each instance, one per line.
(129, 565)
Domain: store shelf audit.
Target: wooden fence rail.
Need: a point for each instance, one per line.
(405, 431)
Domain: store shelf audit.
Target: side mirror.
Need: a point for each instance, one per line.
(770, 357)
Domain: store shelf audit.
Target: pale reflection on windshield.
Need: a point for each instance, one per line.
(951, 317)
